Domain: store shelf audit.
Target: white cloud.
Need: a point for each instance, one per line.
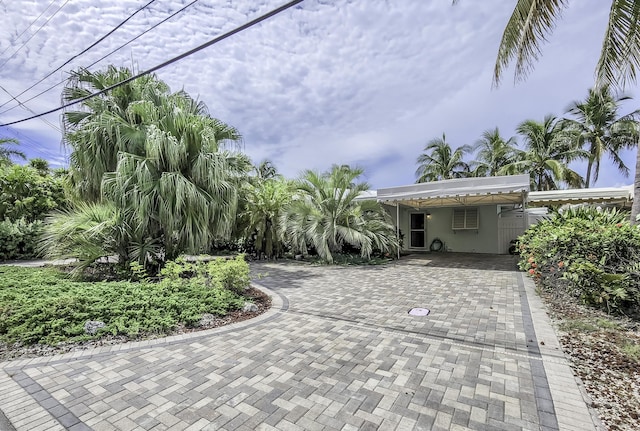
(359, 82)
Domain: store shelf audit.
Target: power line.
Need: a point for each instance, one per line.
(22, 105)
(168, 62)
(29, 26)
(36, 32)
(94, 44)
(99, 60)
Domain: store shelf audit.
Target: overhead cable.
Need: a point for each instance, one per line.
(168, 62)
(93, 45)
(36, 32)
(98, 60)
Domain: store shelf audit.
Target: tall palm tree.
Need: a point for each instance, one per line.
(440, 162)
(598, 127)
(266, 170)
(533, 21)
(324, 214)
(548, 151)
(180, 191)
(103, 126)
(494, 153)
(159, 159)
(7, 153)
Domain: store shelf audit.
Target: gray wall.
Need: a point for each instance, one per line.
(438, 225)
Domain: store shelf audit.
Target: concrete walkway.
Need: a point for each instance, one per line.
(338, 351)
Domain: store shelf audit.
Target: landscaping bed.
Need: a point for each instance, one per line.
(43, 312)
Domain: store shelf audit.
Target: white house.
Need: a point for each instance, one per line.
(476, 215)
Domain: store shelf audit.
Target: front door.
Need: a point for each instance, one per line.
(418, 234)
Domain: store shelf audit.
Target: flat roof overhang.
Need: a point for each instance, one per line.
(606, 195)
(459, 192)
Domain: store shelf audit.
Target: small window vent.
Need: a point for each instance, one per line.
(465, 218)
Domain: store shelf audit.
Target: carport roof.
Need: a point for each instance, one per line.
(621, 195)
(463, 191)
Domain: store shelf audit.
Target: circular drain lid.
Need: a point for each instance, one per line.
(419, 312)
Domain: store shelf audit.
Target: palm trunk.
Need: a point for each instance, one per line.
(587, 181)
(635, 208)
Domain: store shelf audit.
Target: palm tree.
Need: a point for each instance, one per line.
(263, 205)
(533, 21)
(548, 151)
(494, 153)
(324, 214)
(180, 190)
(266, 170)
(159, 159)
(105, 125)
(440, 162)
(7, 153)
(596, 125)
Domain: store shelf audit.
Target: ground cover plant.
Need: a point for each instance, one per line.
(45, 306)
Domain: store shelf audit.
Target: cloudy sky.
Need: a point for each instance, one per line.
(361, 82)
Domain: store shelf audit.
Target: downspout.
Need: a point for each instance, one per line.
(398, 227)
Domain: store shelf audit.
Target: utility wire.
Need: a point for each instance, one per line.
(36, 32)
(28, 27)
(22, 105)
(97, 61)
(93, 45)
(168, 62)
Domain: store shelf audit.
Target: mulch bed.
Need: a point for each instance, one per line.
(610, 376)
(17, 351)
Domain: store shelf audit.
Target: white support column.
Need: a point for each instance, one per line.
(398, 227)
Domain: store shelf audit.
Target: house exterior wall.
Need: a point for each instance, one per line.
(438, 225)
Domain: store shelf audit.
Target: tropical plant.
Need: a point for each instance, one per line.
(26, 193)
(494, 153)
(40, 165)
(548, 151)
(324, 214)
(598, 127)
(6, 153)
(101, 127)
(159, 159)
(263, 204)
(266, 170)
(532, 22)
(440, 162)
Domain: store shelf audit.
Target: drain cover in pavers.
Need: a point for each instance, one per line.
(419, 311)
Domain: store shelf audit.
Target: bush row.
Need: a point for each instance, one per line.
(593, 255)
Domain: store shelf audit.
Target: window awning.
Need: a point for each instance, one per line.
(457, 192)
(620, 195)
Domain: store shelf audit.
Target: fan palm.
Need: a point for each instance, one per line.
(597, 125)
(325, 215)
(548, 151)
(440, 162)
(180, 189)
(263, 204)
(7, 153)
(494, 153)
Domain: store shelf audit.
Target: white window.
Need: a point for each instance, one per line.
(465, 218)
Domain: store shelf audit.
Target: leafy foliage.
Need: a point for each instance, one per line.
(18, 239)
(591, 254)
(6, 153)
(159, 159)
(324, 215)
(440, 162)
(44, 306)
(25, 193)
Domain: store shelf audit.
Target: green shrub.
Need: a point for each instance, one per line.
(19, 239)
(591, 254)
(26, 193)
(45, 306)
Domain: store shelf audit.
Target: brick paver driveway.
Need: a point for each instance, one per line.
(338, 351)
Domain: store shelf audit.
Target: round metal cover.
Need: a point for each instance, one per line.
(419, 311)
